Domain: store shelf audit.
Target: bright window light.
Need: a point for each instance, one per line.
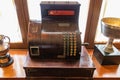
(9, 25)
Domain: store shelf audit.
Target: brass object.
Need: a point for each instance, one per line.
(5, 58)
(110, 27)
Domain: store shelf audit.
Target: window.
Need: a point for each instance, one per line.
(34, 12)
(97, 10)
(9, 25)
(13, 22)
(91, 11)
(18, 19)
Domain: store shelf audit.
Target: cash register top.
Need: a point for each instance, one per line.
(60, 2)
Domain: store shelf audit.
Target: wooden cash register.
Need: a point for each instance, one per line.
(55, 44)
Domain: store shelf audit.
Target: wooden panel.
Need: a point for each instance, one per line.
(60, 68)
(94, 11)
(23, 18)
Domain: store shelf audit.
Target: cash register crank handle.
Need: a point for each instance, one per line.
(85, 44)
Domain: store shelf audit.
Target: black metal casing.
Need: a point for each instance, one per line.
(57, 35)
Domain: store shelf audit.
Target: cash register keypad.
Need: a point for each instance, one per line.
(70, 44)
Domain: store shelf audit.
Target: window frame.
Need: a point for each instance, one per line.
(91, 25)
(23, 19)
(92, 22)
(93, 16)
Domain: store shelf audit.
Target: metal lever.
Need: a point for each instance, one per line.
(85, 44)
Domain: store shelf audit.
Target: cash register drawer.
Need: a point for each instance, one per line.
(59, 72)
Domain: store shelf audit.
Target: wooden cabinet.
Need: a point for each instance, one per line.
(62, 69)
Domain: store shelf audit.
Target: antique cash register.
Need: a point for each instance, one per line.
(54, 50)
(59, 35)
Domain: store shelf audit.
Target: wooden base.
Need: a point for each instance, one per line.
(104, 58)
(56, 68)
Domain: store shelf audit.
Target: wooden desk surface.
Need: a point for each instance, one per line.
(16, 71)
(105, 72)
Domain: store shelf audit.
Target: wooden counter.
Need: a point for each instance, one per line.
(105, 72)
(16, 71)
(65, 69)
